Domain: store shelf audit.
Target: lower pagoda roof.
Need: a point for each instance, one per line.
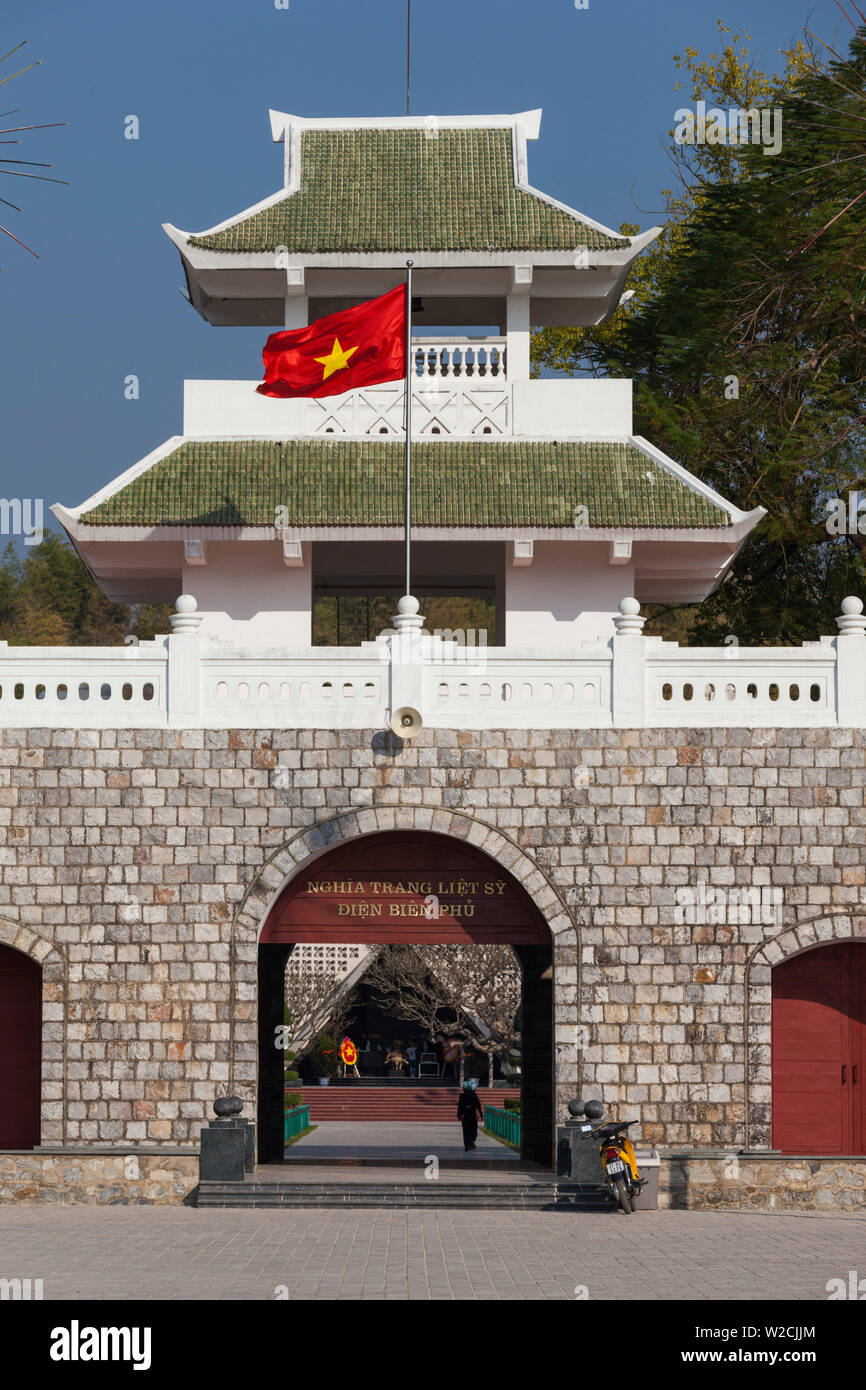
(497, 486)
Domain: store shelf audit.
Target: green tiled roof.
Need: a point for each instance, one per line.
(408, 190)
(360, 483)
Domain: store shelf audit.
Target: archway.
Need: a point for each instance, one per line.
(21, 1049)
(411, 886)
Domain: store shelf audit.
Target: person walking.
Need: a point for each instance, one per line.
(469, 1112)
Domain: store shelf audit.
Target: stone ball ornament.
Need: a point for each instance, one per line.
(226, 1106)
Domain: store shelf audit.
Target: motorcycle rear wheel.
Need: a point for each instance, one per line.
(622, 1195)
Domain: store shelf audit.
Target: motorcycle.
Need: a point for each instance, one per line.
(618, 1158)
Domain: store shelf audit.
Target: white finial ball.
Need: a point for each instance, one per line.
(629, 607)
(408, 604)
(852, 605)
(186, 604)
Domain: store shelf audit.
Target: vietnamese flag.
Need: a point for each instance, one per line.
(358, 347)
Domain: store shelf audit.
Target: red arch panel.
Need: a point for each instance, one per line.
(406, 887)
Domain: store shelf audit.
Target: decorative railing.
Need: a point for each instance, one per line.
(83, 687)
(295, 1121)
(479, 359)
(743, 685)
(490, 687)
(631, 681)
(505, 1124)
(316, 688)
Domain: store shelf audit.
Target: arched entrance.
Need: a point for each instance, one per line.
(20, 1049)
(411, 887)
(819, 1050)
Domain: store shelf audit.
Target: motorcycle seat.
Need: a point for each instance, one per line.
(609, 1131)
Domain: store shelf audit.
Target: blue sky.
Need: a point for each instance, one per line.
(103, 302)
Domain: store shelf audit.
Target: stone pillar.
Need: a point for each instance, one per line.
(406, 690)
(628, 680)
(226, 1143)
(272, 973)
(537, 1064)
(851, 665)
(183, 674)
(517, 330)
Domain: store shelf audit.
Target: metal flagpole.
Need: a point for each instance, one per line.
(409, 367)
(408, 49)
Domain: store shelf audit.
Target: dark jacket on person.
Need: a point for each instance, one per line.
(469, 1106)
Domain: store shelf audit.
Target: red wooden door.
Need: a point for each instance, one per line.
(20, 1049)
(819, 1051)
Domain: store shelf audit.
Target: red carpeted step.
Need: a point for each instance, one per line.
(377, 1103)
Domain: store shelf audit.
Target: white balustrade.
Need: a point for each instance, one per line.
(316, 688)
(501, 687)
(466, 359)
(780, 687)
(83, 687)
(186, 681)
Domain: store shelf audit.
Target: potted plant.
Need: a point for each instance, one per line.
(324, 1058)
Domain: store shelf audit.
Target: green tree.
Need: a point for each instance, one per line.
(727, 78)
(748, 350)
(49, 598)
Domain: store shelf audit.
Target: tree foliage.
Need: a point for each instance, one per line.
(49, 598)
(447, 991)
(746, 337)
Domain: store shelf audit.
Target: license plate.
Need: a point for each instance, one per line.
(616, 1167)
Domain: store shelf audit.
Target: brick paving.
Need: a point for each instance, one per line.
(156, 1253)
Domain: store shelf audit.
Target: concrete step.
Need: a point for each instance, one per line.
(536, 1196)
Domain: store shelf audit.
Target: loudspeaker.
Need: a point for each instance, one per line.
(406, 722)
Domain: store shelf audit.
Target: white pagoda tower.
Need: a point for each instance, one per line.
(533, 493)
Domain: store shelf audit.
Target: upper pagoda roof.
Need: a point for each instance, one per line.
(359, 195)
(438, 184)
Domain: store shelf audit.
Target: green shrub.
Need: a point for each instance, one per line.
(293, 1098)
(512, 1103)
(324, 1058)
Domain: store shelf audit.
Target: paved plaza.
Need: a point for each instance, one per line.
(182, 1253)
(408, 1142)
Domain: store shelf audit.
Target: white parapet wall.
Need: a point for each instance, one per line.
(186, 680)
(457, 407)
(572, 409)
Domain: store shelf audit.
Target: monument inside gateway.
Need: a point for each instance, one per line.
(433, 963)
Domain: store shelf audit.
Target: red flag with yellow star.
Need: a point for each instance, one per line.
(358, 347)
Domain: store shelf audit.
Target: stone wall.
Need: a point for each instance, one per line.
(137, 866)
(140, 1177)
(767, 1182)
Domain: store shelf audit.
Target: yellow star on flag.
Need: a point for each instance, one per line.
(337, 359)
